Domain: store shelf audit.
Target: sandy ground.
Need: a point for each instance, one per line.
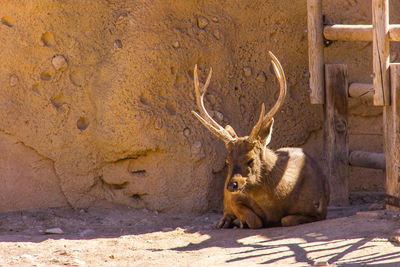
(120, 236)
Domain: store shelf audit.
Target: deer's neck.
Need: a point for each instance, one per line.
(270, 158)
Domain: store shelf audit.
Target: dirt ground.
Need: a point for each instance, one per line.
(122, 236)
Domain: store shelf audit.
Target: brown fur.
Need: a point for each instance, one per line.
(283, 187)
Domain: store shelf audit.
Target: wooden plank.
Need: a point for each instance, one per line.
(367, 159)
(364, 90)
(315, 51)
(336, 140)
(381, 52)
(340, 32)
(391, 126)
(394, 32)
(357, 33)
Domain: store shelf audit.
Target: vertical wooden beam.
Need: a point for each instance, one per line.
(336, 141)
(381, 52)
(391, 126)
(315, 51)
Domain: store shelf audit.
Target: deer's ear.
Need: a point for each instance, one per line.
(265, 133)
(230, 130)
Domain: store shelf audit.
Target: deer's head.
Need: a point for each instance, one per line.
(246, 155)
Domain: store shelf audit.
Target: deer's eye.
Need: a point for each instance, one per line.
(250, 162)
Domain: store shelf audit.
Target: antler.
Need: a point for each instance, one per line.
(280, 75)
(205, 118)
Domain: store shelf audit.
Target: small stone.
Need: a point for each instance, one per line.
(202, 22)
(59, 62)
(219, 115)
(247, 71)
(8, 21)
(80, 262)
(176, 44)
(45, 76)
(217, 34)
(13, 80)
(215, 19)
(48, 39)
(158, 123)
(57, 231)
(261, 77)
(117, 44)
(186, 132)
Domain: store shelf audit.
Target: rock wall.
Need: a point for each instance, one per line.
(95, 96)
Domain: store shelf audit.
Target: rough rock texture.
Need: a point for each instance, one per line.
(101, 91)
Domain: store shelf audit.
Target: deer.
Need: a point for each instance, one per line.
(265, 188)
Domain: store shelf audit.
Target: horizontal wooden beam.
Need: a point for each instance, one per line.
(342, 32)
(364, 90)
(367, 159)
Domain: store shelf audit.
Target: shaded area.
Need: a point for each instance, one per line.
(155, 238)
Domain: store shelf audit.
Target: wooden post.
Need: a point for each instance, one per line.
(315, 51)
(336, 141)
(391, 126)
(381, 52)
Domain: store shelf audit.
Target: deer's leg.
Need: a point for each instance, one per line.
(292, 220)
(227, 221)
(245, 214)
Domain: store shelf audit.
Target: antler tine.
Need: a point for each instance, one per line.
(282, 94)
(205, 118)
(280, 75)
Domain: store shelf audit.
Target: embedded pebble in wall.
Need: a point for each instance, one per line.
(176, 44)
(186, 132)
(45, 76)
(77, 77)
(158, 123)
(202, 22)
(247, 71)
(117, 44)
(13, 80)
(48, 39)
(82, 123)
(217, 34)
(261, 77)
(59, 62)
(8, 21)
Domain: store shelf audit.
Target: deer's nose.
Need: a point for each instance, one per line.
(232, 187)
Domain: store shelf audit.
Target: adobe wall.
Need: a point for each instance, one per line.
(95, 97)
